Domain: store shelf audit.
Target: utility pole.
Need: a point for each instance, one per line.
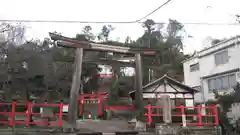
(74, 93)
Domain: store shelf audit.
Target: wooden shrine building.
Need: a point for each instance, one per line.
(179, 93)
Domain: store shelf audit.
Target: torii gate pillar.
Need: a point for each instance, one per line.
(138, 81)
(74, 93)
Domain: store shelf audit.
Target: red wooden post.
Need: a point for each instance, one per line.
(200, 123)
(60, 122)
(99, 106)
(149, 114)
(215, 114)
(182, 109)
(13, 111)
(80, 106)
(91, 97)
(28, 113)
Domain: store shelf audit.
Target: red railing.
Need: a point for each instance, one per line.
(124, 108)
(100, 98)
(28, 114)
(182, 113)
(105, 75)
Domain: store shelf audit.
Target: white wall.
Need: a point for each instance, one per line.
(207, 95)
(128, 71)
(105, 69)
(191, 79)
(208, 67)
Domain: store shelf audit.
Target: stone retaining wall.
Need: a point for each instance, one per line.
(163, 129)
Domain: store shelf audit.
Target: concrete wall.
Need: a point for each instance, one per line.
(191, 78)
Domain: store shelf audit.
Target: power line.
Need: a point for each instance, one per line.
(107, 22)
(54, 21)
(206, 23)
(120, 22)
(153, 11)
(127, 22)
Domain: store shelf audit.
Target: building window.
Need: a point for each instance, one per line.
(222, 82)
(221, 57)
(194, 67)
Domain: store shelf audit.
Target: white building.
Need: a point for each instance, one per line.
(127, 71)
(214, 68)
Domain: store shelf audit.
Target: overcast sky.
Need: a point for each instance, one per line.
(212, 11)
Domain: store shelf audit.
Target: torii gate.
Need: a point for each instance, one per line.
(90, 46)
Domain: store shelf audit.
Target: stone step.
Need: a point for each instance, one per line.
(103, 125)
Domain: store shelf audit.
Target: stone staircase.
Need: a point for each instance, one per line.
(103, 125)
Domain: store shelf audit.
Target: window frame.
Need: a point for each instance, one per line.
(193, 68)
(213, 82)
(219, 58)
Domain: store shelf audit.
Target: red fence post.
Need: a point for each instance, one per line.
(215, 114)
(182, 109)
(91, 97)
(99, 106)
(200, 123)
(149, 114)
(28, 113)
(12, 116)
(60, 122)
(80, 106)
